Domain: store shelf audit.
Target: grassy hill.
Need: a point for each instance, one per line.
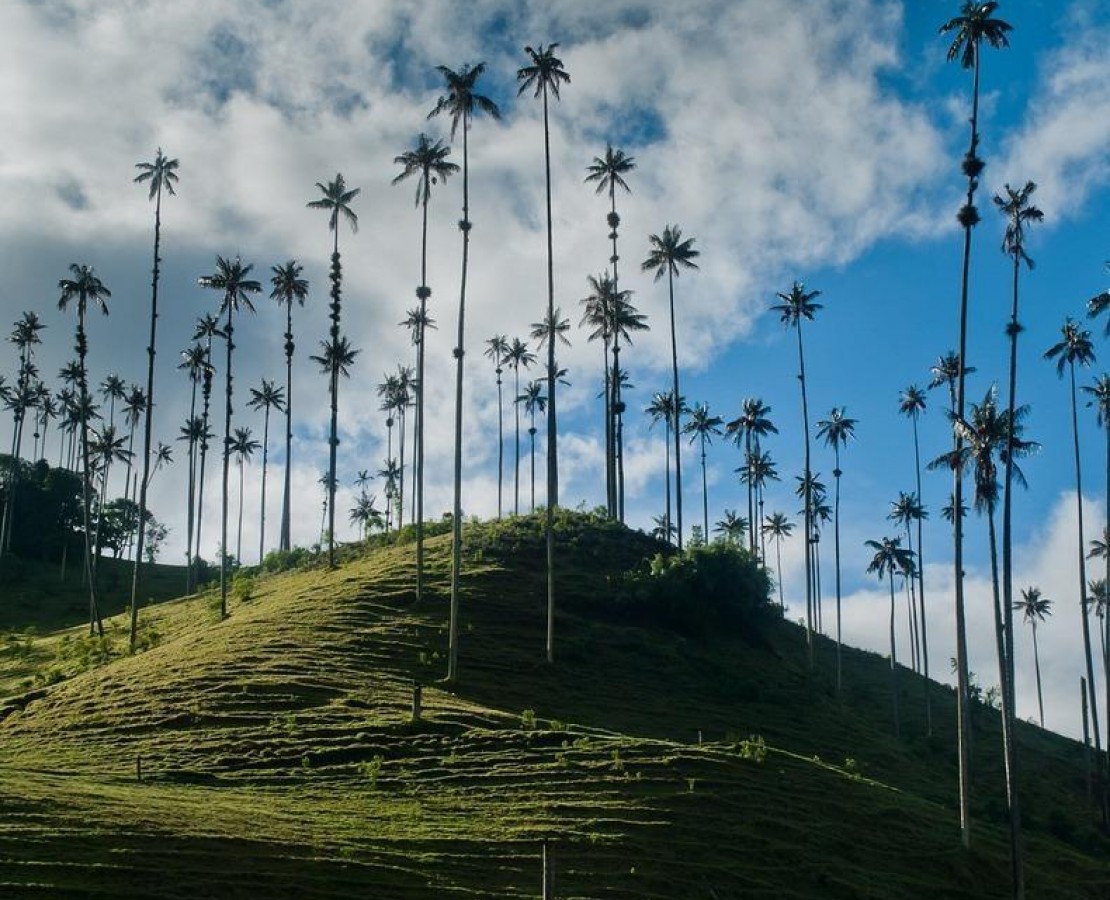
(279, 758)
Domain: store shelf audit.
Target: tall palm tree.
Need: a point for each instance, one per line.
(25, 337)
(911, 403)
(662, 409)
(607, 172)
(207, 328)
(82, 289)
(792, 309)
(288, 286)
(732, 527)
(545, 75)
(230, 279)
(759, 469)
(134, 405)
(701, 427)
(366, 514)
(113, 388)
(106, 446)
(836, 431)
(518, 355)
(751, 425)
(598, 316)
(669, 255)
(336, 200)
(461, 102)
(497, 347)
(428, 160)
(974, 25)
(161, 175)
(1034, 607)
(335, 359)
(267, 396)
(243, 445)
(905, 511)
(1100, 399)
(1074, 348)
(778, 527)
(192, 432)
(534, 401)
(889, 557)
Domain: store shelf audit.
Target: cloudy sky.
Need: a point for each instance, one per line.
(816, 141)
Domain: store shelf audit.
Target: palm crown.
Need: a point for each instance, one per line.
(545, 74)
(162, 173)
(608, 170)
(231, 278)
(336, 200)
(971, 27)
(461, 101)
(670, 253)
(429, 160)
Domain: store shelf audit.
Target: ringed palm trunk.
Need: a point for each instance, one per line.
(95, 624)
(1037, 670)
(807, 502)
(500, 441)
(239, 533)
(456, 523)
(704, 495)
(921, 588)
(206, 391)
(751, 499)
(552, 420)
(516, 417)
(893, 659)
(226, 460)
(287, 488)
(836, 552)
(424, 293)
(265, 460)
(677, 412)
(333, 438)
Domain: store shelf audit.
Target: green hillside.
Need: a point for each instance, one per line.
(278, 756)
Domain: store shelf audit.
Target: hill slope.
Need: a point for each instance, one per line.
(278, 756)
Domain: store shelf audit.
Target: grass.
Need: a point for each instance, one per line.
(278, 756)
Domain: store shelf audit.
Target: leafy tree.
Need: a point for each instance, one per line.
(701, 427)
(230, 279)
(428, 160)
(336, 200)
(84, 288)
(545, 75)
(889, 557)
(288, 286)
(266, 397)
(792, 309)
(974, 25)
(1034, 607)
(670, 254)
(836, 431)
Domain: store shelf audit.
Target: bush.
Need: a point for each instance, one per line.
(705, 589)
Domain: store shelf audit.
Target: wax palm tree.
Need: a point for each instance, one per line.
(1100, 399)
(267, 396)
(106, 446)
(1099, 303)
(112, 388)
(1075, 348)
(207, 328)
(366, 514)
(598, 317)
(534, 401)
(969, 30)
(751, 425)
(905, 511)
(390, 473)
(25, 337)
(230, 279)
(288, 287)
(669, 255)
(134, 406)
(890, 557)
(461, 102)
(497, 347)
(757, 471)
(732, 527)
(607, 173)
(662, 409)
(518, 355)
(192, 433)
(545, 76)
(793, 308)
(663, 530)
(701, 427)
(778, 527)
(836, 431)
(1034, 608)
(428, 161)
(81, 290)
(243, 445)
(48, 410)
(336, 201)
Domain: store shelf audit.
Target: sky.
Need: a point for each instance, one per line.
(814, 141)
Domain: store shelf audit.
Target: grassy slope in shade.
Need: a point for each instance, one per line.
(279, 759)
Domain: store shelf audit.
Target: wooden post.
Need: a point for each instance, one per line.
(1086, 736)
(417, 701)
(548, 871)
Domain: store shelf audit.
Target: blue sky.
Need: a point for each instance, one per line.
(816, 141)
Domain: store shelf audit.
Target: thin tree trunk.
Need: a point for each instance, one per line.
(921, 589)
(516, 419)
(704, 496)
(287, 488)
(423, 294)
(239, 533)
(95, 624)
(265, 461)
(229, 333)
(836, 552)
(206, 392)
(893, 660)
(677, 412)
(552, 421)
(807, 510)
(500, 442)
(1037, 669)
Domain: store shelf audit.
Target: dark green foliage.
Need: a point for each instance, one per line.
(47, 510)
(706, 589)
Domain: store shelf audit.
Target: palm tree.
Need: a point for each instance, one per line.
(670, 254)
(836, 431)
(192, 432)
(1034, 608)
(701, 428)
(366, 514)
(664, 529)
(265, 397)
(105, 447)
(161, 175)
(598, 316)
(518, 355)
(1100, 394)
(134, 405)
(534, 401)
(243, 445)
(759, 469)
(497, 348)
(890, 556)
(608, 172)
(336, 200)
(1075, 347)
(113, 388)
(25, 336)
(207, 328)
(461, 102)
(778, 527)
(230, 278)
(751, 425)
(428, 160)
(84, 288)
(288, 286)
(662, 409)
(731, 526)
(904, 511)
(391, 474)
(974, 25)
(793, 308)
(911, 403)
(545, 76)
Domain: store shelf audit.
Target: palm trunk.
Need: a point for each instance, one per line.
(516, 419)
(1037, 670)
(552, 421)
(677, 411)
(778, 561)
(333, 437)
(836, 553)
(95, 624)
(667, 474)
(807, 508)
(893, 660)
(456, 523)
(532, 437)
(262, 503)
(423, 294)
(239, 533)
(921, 589)
(226, 460)
(287, 489)
(206, 392)
(751, 498)
(190, 511)
(704, 495)
(500, 441)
